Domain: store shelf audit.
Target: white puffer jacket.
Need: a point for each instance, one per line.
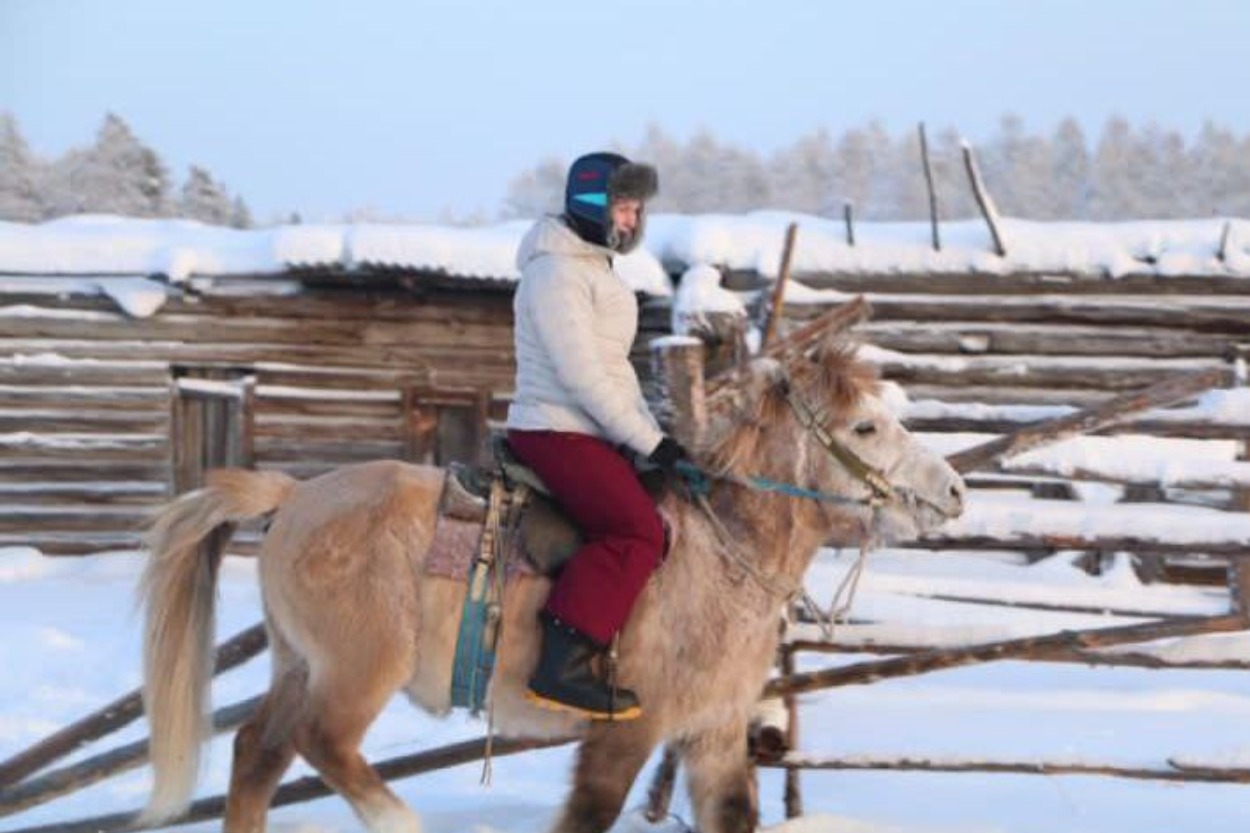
(575, 324)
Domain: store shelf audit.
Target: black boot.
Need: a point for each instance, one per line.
(564, 680)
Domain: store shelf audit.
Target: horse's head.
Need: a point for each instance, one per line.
(823, 424)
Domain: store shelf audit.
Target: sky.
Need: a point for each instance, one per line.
(427, 108)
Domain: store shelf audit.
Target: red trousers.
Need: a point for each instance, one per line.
(597, 487)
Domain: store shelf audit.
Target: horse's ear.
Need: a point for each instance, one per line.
(843, 377)
(766, 386)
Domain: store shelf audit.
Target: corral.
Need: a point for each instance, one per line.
(979, 355)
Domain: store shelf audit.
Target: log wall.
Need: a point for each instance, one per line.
(89, 400)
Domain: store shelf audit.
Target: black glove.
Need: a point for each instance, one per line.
(668, 454)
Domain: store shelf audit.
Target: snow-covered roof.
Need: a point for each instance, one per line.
(177, 249)
(101, 246)
(753, 242)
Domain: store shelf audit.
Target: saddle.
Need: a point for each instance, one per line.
(545, 537)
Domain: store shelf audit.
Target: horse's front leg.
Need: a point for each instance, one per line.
(607, 764)
(721, 780)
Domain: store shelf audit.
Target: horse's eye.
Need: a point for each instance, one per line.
(864, 429)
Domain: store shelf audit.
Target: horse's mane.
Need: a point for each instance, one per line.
(833, 378)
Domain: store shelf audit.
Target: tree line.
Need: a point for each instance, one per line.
(116, 174)
(1125, 172)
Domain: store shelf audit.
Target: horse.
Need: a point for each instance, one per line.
(353, 618)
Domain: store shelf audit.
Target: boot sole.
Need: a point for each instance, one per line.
(632, 713)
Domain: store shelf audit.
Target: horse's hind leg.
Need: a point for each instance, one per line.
(263, 749)
(607, 764)
(721, 781)
(340, 709)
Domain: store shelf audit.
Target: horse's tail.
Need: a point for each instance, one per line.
(177, 591)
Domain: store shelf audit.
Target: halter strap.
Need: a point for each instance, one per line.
(812, 420)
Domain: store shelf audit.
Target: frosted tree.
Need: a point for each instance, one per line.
(665, 153)
(1162, 164)
(240, 214)
(537, 192)
(1070, 171)
(1114, 183)
(118, 174)
(857, 163)
(1018, 171)
(203, 198)
(1221, 172)
(19, 174)
(802, 176)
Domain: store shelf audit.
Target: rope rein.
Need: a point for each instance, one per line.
(881, 491)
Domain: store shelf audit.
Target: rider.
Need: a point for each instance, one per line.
(578, 405)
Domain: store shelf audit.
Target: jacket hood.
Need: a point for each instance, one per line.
(552, 236)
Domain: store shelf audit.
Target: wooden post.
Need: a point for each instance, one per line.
(677, 364)
(1239, 568)
(848, 219)
(1221, 253)
(928, 181)
(984, 202)
(793, 796)
(775, 304)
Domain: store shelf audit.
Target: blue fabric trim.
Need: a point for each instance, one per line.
(598, 198)
(475, 657)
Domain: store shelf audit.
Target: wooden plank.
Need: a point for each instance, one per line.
(70, 518)
(1047, 372)
(81, 470)
(1173, 389)
(104, 492)
(1041, 339)
(940, 658)
(61, 397)
(273, 407)
(273, 451)
(334, 329)
(99, 448)
(469, 305)
(51, 421)
(1211, 315)
(17, 371)
(121, 712)
(1024, 283)
(329, 429)
(1049, 543)
(400, 357)
(310, 787)
(1229, 775)
(56, 542)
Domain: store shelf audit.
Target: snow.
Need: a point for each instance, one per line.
(180, 250)
(699, 294)
(754, 242)
(71, 628)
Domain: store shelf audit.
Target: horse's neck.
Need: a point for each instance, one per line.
(782, 533)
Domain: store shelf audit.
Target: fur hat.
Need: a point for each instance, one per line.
(594, 182)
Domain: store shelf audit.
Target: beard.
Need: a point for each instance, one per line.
(622, 241)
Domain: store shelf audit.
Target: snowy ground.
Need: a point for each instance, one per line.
(71, 644)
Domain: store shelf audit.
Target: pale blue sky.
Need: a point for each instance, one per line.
(413, 106)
